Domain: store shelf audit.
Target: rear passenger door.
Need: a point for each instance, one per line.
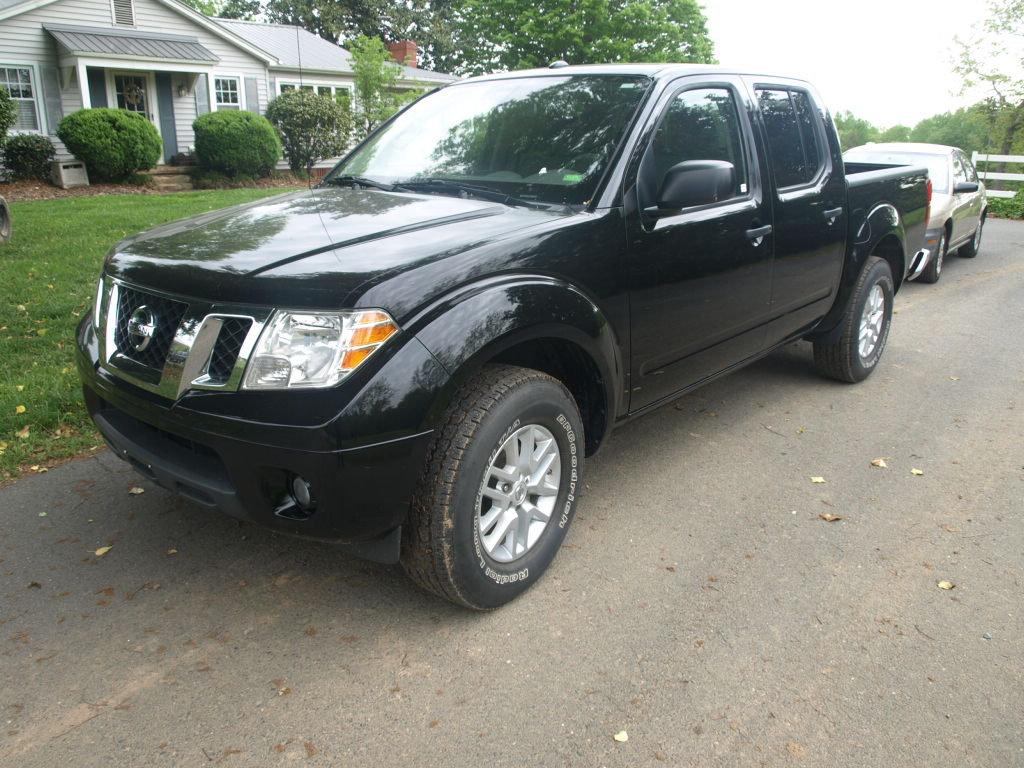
(963, 202)
(808, 186)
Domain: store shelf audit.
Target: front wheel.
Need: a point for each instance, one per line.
(970, 250)
(865, 327)
(499, 489)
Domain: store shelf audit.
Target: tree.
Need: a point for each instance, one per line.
(969, 128)
(854, 131)
(895, 133)
(377, 96)
(312, 127)
(491, 35)
(990, 59)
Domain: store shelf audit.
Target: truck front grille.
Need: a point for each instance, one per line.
(166, 314)
(225, 351)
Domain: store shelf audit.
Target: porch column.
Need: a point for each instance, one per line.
(83, 85)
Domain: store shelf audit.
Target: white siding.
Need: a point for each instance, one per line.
(24, 41)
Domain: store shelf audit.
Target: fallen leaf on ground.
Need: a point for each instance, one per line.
(23, 432)
(945, 584)
(172, 551)
(954, 378)
(19, 409)
(42, 514)
(879, 462)
(817, 479)
(828, 517)
(800, 430)
(310, 749)
(621, 737)
(136, 490)
(102, 551)
(950, 528)
(20, 387)
(916, 471)
(796, 749)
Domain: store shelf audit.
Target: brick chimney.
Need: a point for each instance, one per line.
(405, 52)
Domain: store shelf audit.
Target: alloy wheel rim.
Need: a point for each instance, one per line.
(518, 493)
(871, 322)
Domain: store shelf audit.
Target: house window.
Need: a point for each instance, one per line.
(18, 83)
(287, 87)
(124, 12)
(226, 89)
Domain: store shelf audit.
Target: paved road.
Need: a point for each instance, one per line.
(701, 603)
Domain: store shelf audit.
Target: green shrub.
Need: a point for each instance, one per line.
(235, 142)
(113, 143)
(28, 156)
(312, 127)
(1007, 208)
(8, 114)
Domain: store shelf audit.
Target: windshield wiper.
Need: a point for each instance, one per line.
(360, 181)
(466, 190)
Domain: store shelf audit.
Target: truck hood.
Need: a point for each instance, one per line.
(315, 248)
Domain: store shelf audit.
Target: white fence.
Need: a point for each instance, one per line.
(978, 157)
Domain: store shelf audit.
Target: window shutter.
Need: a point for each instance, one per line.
(252, 95)
(202, 95)
(124, 13)
(51, 98)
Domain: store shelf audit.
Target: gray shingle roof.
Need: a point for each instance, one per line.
(123, 42)
(295, 47)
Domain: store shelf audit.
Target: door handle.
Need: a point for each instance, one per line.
(832, 214)
(757, 234)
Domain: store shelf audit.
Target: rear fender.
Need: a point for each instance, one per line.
(881, 232)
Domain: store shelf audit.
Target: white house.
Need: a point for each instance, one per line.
(163, 59)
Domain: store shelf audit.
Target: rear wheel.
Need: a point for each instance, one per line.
(933, 271)
(970, 250)
(865, 327)
(499, 489)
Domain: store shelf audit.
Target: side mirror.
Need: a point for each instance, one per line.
(695, 182)
(965, 186)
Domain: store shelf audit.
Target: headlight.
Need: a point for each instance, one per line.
(315, 349)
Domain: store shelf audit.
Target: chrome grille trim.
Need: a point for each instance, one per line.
(186, 366)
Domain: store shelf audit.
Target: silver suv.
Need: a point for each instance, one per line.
(958, 206)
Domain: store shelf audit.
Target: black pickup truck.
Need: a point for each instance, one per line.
(412, 359)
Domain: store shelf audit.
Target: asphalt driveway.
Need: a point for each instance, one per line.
(701, 604)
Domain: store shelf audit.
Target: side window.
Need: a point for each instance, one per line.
(698, 124)
(793, 138)
(972, 172)
(959, 171)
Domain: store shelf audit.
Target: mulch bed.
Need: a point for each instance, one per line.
(21, 191)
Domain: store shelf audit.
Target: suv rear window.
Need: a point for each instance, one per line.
(793, 139)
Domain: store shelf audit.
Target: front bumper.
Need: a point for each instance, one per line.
(362, 467)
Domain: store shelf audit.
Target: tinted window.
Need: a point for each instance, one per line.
(793, 139)
(701, 124)
(959, 172)
(972, 173)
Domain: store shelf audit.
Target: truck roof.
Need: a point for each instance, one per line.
(657, 70)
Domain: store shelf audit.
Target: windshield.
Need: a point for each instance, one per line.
(937, 165)
(540, 139)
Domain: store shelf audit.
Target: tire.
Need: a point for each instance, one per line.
(842, 360)
(5, 222)
(443, 548)
(970, 250)
(933, 271)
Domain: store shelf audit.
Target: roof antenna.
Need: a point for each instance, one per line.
(298, 51)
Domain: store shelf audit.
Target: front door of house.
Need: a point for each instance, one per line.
(135, 92)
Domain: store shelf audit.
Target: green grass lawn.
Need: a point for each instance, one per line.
(48, 274)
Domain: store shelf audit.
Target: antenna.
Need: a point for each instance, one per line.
(298, 52)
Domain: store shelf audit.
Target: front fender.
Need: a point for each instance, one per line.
(467, 331)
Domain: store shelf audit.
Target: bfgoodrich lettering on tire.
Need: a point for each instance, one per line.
(499, 488)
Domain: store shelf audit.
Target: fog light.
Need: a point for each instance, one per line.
(301, 493)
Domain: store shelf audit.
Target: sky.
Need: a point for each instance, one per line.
(888, 61)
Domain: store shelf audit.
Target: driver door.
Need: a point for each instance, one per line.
(700, 277)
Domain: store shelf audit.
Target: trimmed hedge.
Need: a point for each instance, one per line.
(113, 143)
(8, 114)
(312, 127)
(28, 156)
(236, 143)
